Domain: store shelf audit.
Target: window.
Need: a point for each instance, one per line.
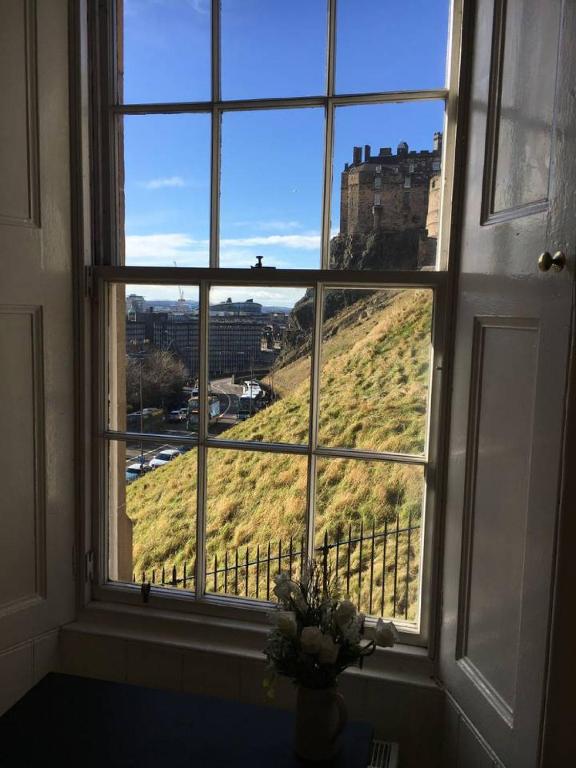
(270, 328)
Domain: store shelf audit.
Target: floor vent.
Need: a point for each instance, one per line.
(384, 755)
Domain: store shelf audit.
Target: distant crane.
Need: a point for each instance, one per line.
(182, 307)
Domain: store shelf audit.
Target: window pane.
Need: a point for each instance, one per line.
(375, 369)
(259, 359)
(152, 513)
(271, 188)
(256, 515)
(369, 514)
(273, 49)
(166, 193)
(385, 46)
(153, 364)
(386, 186)
(166, 50)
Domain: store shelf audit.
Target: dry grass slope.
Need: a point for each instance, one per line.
(373, 396)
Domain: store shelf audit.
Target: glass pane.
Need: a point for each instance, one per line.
(256, 514)
(166, 192)
(271, 188)
(386, 186)
(273, 49)
(152, 513)
(369, 521)
(386, 46)
(166, 50)
(259, 359)
(153, 365)
(375, 370)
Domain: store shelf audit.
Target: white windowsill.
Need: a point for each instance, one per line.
(403, 664)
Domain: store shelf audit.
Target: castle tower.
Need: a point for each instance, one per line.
(389, 192)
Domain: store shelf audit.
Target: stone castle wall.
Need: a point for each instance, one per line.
(391, 193)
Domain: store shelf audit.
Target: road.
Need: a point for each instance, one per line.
(229, 395)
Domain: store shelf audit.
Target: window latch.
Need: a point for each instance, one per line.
(89, 283)
(89, 566)
(259, 264)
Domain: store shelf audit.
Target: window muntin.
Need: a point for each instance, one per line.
(256, 502)
(251, 340)
(328, 498)
(271, 191)
(402, 150)
(259, 41)
(164, 50)
(216, 109)
(385, 46)
(154, 363)
(375, 372)
(144, 533)
(375, 553)
(165, 196)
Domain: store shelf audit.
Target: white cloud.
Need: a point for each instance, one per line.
(190, 252)
(169, 181)
(269, 226)
(308, 242)
(163, 292)
(165, 249)
(281, 297)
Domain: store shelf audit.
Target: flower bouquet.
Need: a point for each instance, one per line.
(315, 637)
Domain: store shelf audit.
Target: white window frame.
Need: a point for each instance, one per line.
(107, 112)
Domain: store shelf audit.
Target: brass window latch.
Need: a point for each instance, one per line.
(546, 261)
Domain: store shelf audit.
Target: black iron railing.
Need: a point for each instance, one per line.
(378, 570)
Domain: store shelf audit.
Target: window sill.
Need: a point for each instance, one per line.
(403, 664)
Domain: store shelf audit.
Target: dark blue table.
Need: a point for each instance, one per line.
(77, 721)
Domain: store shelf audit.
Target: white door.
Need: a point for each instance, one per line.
(36, 340)
(511, 353)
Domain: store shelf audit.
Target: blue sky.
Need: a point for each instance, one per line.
(271, 169)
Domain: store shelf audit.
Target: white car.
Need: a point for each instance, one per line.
(136, 470)
(164, 457)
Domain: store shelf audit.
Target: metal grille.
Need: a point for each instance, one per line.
(384, 755)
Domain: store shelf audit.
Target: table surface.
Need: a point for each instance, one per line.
(67, 720)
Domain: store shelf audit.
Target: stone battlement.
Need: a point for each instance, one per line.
(389, 192)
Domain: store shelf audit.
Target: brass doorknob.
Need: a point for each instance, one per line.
(546, 261)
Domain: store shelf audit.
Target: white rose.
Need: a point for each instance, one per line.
(298, 598)
(311, 640)
(353, 631)
(385, 634)
(328, 651)
(345, 612)
(283, 586)
(286, 623)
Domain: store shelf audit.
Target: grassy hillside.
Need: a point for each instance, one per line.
(373, 396)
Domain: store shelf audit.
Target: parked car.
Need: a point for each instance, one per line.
(164, 457)
(136, 470)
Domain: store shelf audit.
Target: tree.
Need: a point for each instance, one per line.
(163, 376)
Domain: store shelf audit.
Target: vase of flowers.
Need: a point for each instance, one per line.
(316, 636)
